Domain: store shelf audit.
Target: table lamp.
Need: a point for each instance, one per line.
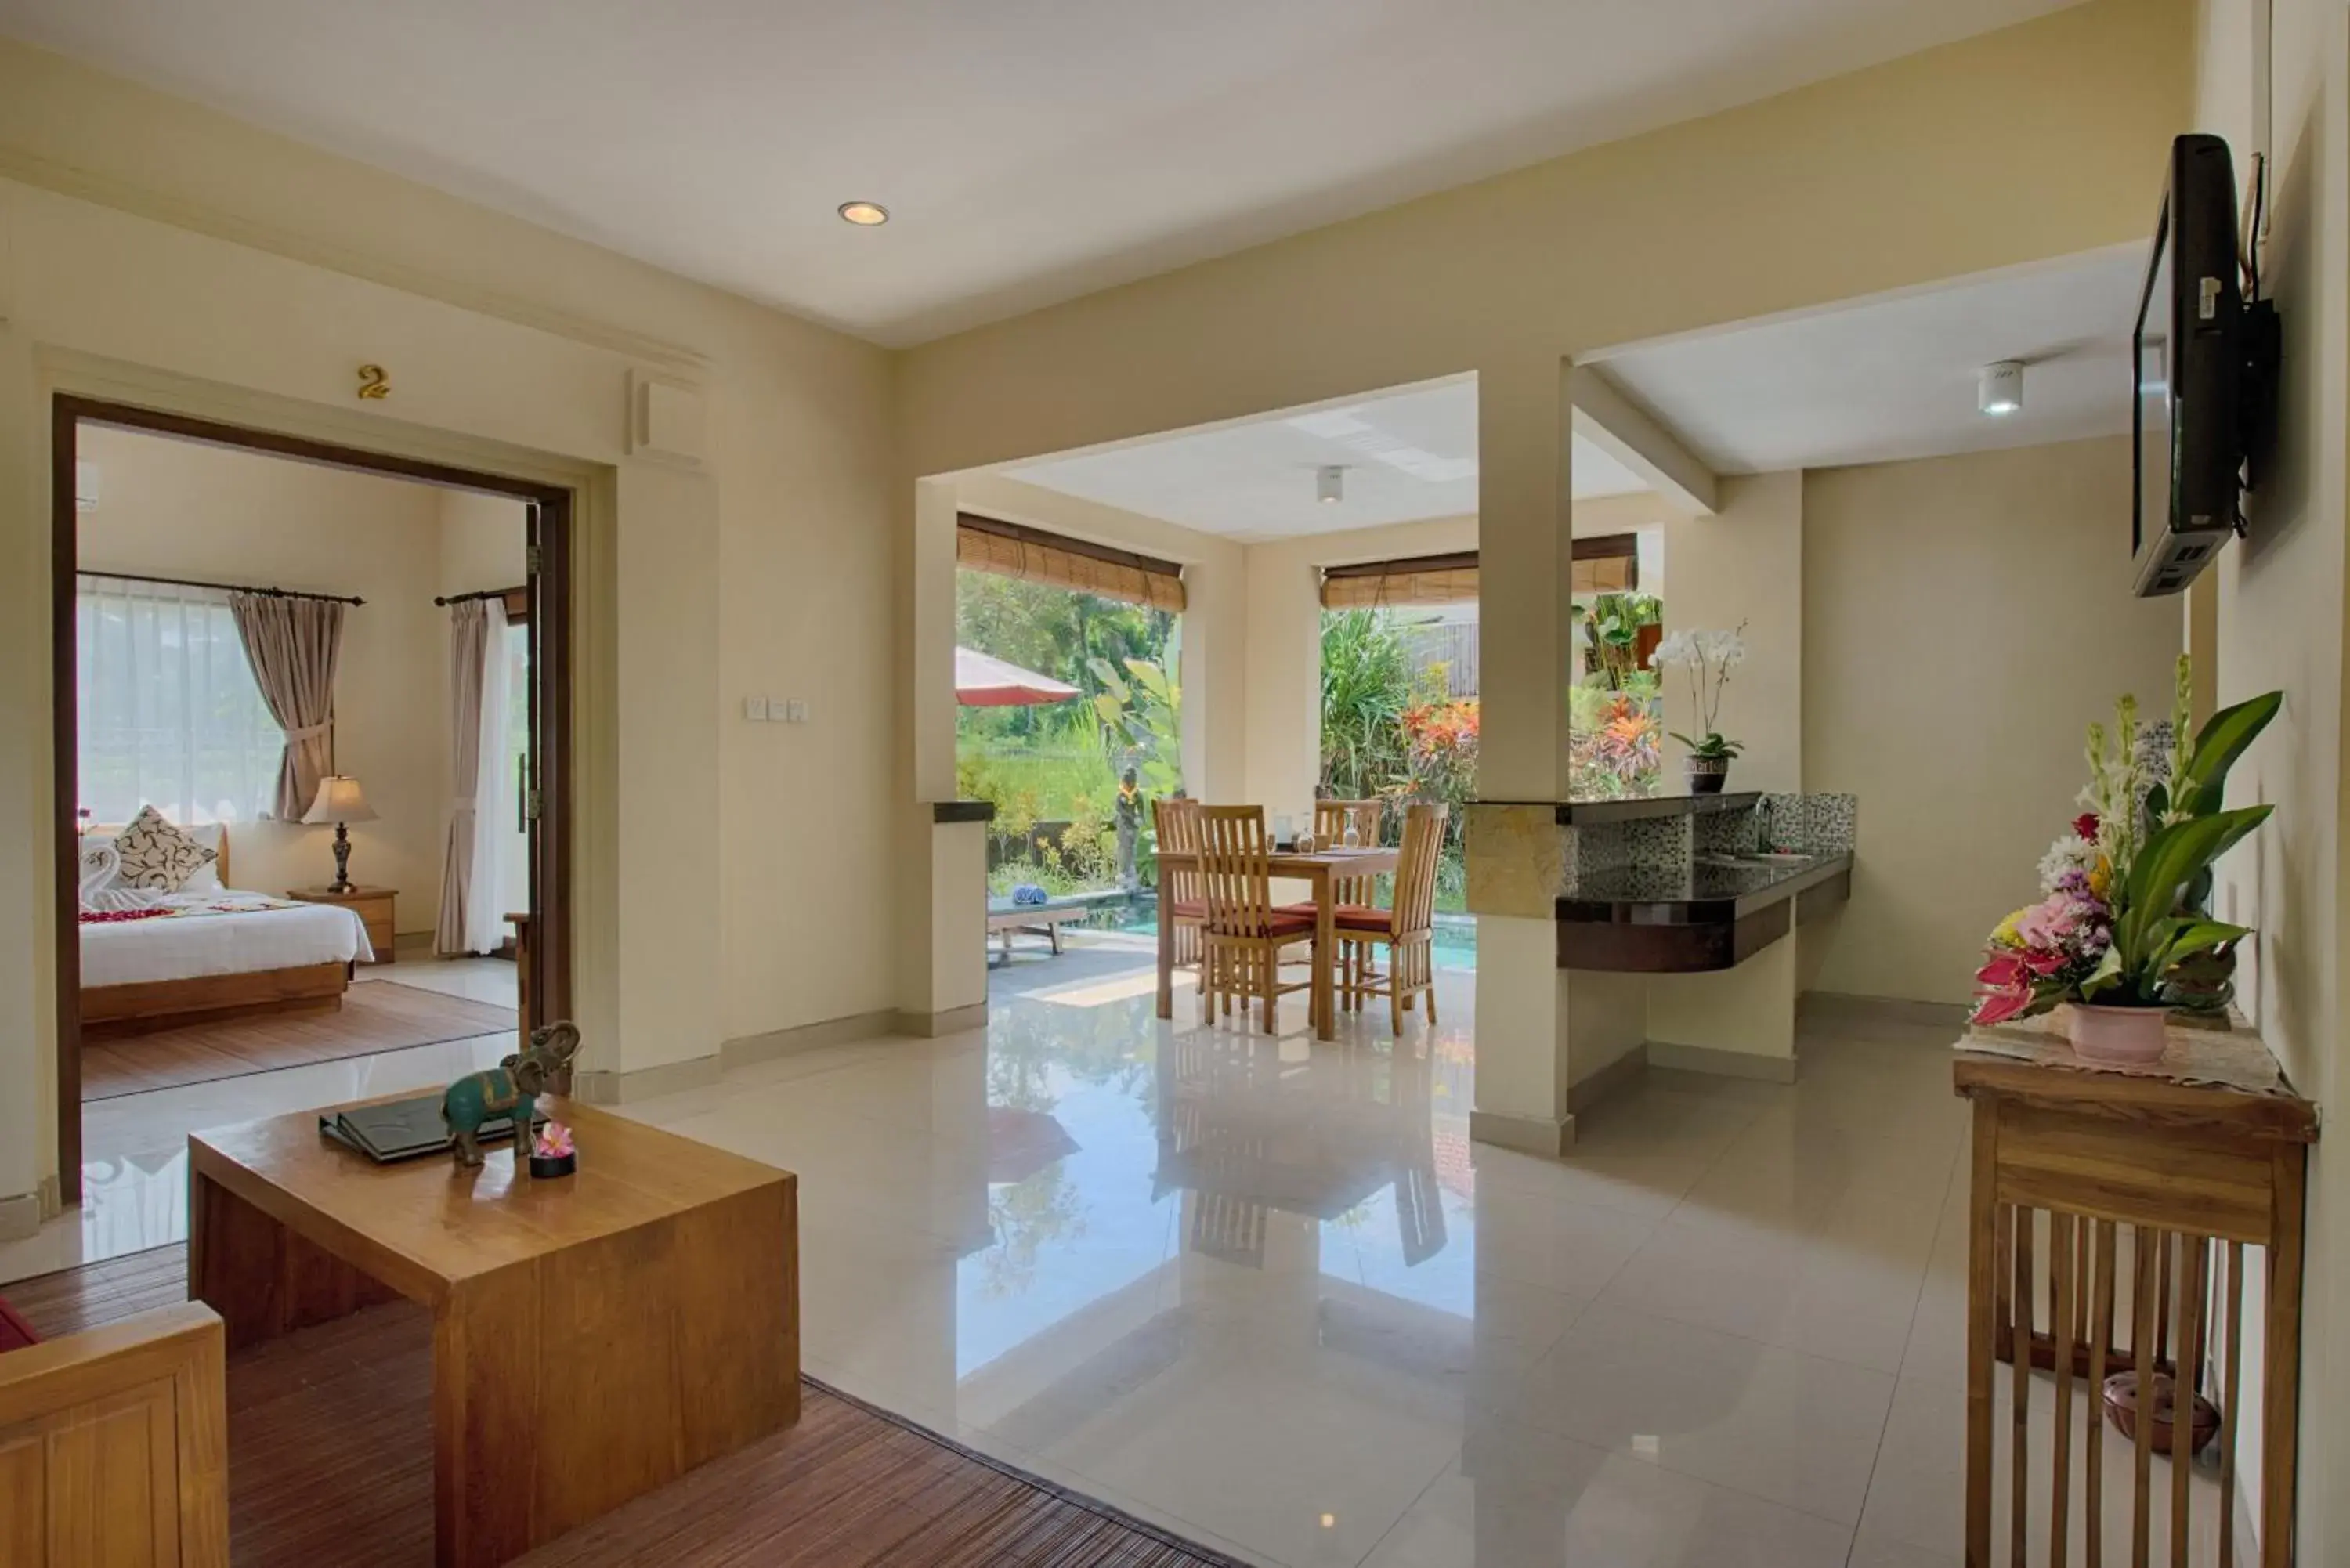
(339, 801)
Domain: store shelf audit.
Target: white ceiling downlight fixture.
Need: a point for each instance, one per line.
(865, 214)
(1999, 388)
(1330, 484)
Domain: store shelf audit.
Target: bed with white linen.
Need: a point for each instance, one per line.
(219, 954)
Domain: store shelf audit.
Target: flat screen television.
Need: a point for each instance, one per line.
(2189, 351)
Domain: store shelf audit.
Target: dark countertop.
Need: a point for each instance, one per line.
(1633, 808)
(1711, 891)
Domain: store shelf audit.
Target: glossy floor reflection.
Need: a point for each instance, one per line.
(1266, 1291)
(134, 1147)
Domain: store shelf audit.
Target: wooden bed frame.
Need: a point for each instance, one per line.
(112, 1011)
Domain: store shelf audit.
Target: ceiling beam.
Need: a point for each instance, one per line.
(1634, 437)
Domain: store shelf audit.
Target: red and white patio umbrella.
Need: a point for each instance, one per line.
(983, 681)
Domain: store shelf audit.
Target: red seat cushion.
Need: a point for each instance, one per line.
(15, 1334)
(1290, 921)
(1363, 917)
(1192, 911)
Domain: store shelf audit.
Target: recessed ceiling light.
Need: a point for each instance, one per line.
(1998, 389)
(865, 214)
(1330, 484)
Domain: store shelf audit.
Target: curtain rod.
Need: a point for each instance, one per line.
(479, 593)
(226, 588)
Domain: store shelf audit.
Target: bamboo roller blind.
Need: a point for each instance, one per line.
(1032, 556)
(1609, 564)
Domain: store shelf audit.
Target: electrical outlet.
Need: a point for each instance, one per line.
(755, 709)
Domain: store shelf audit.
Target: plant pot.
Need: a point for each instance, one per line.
(1708, 774)
(2117, 1034)
(2121, 1402)
(548, 1165)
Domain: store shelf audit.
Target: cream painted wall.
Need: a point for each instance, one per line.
(158, 253)
(2279, 626)
(1745, 564)
(173, 508)
(485, 543)
(1964, 618)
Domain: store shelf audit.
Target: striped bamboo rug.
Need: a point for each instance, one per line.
(330, 1462)
(376, 1015)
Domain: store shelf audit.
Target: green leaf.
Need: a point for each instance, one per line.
(2193, 937)
(1153, 678)
(2223, 738)
(2105, 976)
(1108, 708)
(2166, 864)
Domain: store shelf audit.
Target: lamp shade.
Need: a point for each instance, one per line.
(340, 799)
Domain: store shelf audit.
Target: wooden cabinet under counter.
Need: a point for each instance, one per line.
(373, 906)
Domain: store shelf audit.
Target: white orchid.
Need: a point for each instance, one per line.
(1708, 656)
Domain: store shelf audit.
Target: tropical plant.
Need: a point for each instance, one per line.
(1708, 656)
(1366, 684)
(1613, 744)
(1142, 711)
(1611, 631)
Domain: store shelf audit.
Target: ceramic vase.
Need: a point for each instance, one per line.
(2117, 1034)
(1708, 774)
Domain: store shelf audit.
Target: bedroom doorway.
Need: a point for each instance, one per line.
(227, 698)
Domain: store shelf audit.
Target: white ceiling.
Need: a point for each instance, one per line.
(1031, 150)
(1409, 455)
(1883, 380)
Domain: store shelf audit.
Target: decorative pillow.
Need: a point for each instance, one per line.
(157, 855)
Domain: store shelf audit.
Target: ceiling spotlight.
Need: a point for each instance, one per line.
(1999, 388)
(1330, 484)
(865, 214)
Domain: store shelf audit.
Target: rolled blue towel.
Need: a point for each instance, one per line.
(1029, 893)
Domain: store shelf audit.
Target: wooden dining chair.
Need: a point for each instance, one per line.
(1330, 820)
(1244, 934)
(1181, 901)
(1408, 928)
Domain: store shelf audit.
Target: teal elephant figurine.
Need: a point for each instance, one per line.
(509, 1088)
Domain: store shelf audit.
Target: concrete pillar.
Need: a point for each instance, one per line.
(1525, 591)
(1215, 675)
(943, 891)
(1284, 683)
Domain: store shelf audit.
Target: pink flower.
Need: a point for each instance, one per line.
(1998, 1006)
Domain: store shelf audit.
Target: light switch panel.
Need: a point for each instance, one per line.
(755, 709)
(794, 710)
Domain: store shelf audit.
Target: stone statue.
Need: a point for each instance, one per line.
(509, 1088)
(1127, 817)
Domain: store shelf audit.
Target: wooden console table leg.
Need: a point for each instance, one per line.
(2281, 1402)
(1983, 1296)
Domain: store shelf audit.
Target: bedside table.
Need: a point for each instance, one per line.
(373, 906)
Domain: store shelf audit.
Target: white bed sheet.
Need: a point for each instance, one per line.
(131, 952)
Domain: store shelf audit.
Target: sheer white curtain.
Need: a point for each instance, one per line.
(168, 712)
(494, 804)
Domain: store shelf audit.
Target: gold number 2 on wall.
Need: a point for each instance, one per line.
(373, 383)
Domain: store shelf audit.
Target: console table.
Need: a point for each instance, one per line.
(2105, 1201)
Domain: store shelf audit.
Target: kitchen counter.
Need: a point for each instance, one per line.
(1711, 913)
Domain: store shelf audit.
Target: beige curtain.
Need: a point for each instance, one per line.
(293, 646)
(469, 653)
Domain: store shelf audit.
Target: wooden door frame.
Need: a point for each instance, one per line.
(552, 601)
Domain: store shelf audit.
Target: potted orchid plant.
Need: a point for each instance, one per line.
(2123, 931)
(1708, 656)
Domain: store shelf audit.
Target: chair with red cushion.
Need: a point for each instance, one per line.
(1245, 933)
(1181, 901)
(1409, 930)
(1332, 818)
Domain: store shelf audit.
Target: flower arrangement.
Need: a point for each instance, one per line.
(2124, 920)
(1708, 657)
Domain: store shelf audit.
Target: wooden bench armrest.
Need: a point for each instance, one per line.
(66, 1404)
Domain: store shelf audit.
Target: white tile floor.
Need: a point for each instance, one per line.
(1267, 1293)
(134, 1167)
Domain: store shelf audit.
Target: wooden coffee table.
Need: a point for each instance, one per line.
(594, 1337)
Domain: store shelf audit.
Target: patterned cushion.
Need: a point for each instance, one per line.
(157, 855)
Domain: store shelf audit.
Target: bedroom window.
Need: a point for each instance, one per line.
(169, 713)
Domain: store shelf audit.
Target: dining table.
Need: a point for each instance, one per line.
(1323, 869)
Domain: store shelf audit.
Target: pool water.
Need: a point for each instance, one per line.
(1455, 943)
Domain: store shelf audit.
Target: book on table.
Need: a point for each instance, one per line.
(402, 1129)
